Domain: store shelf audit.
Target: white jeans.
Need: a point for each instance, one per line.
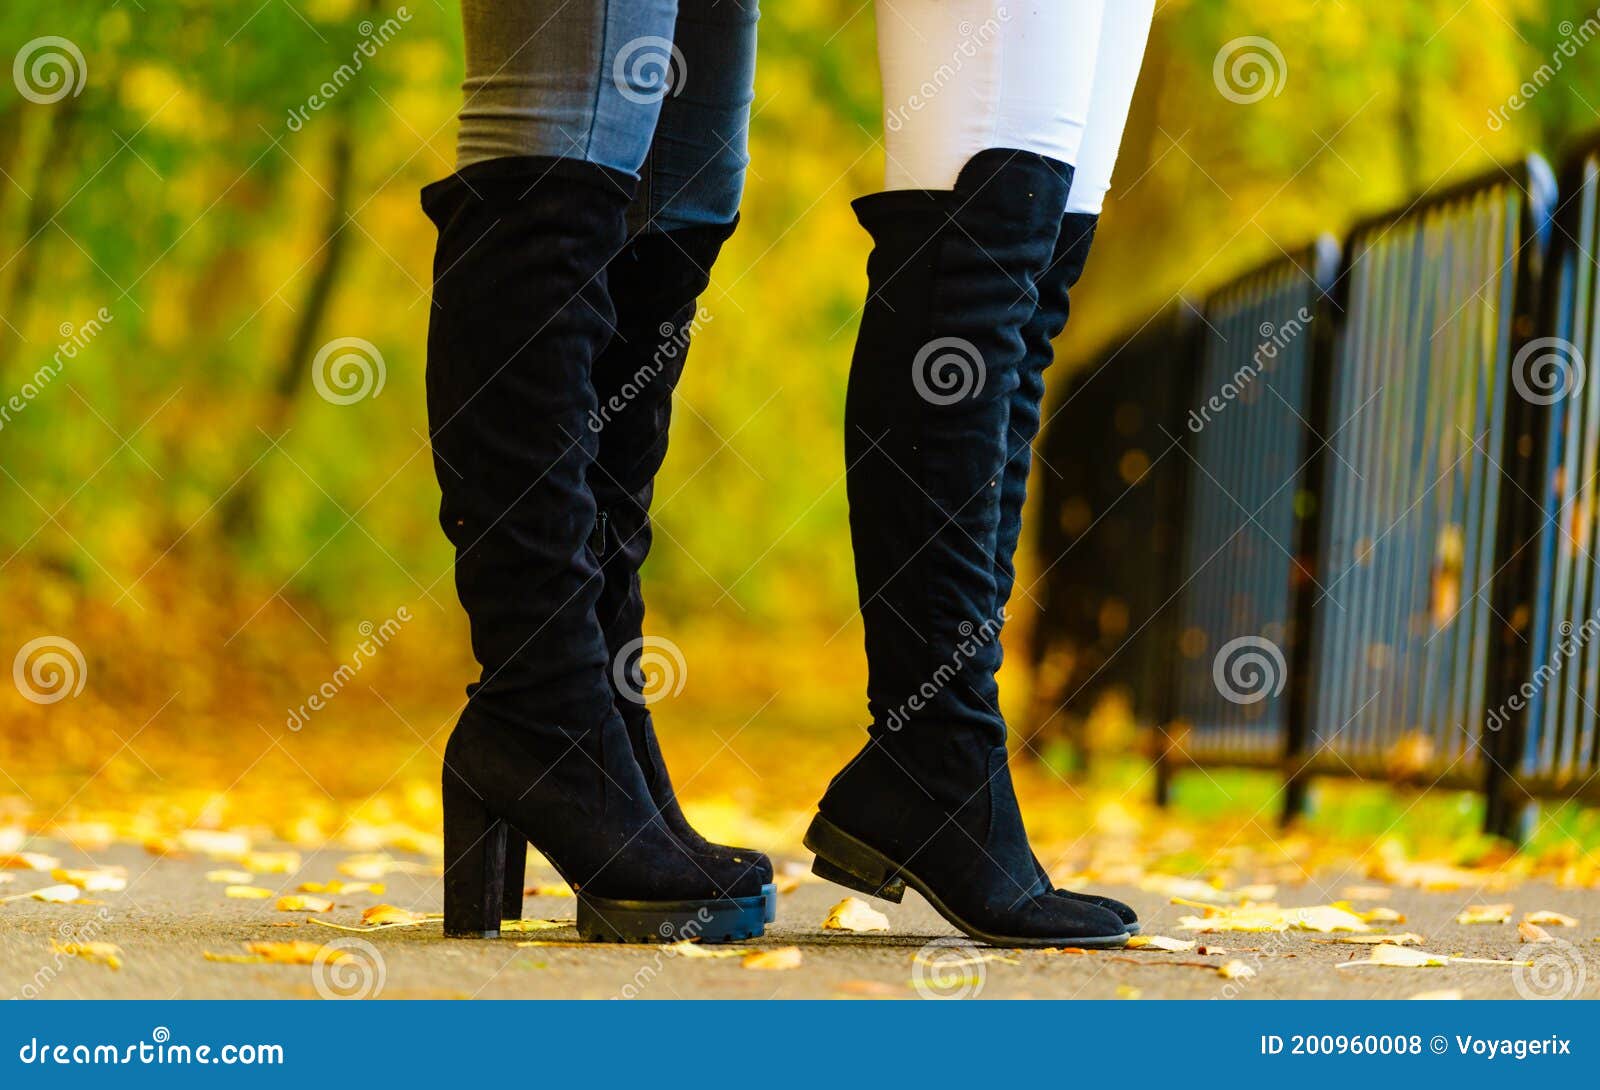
(1054, 77)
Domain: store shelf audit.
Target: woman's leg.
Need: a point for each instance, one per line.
(521, 310)
(1120, 53)
(688, 202)
(1123, 32)
(980, 107)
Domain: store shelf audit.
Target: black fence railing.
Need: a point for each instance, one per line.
(1390, 466)
(1550, 718)
(1110, 527)
(1248, 451)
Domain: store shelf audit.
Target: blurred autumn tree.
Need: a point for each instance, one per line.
(181, 462)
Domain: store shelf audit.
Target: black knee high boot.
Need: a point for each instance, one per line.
(1049, 319)
(520, 311)
(655, 282)
(929, 801)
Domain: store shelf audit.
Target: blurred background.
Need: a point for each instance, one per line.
(230, 188)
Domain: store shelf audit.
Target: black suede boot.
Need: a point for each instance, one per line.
(1049, 319)
(929, 801)
(655, 282)
(520, 311)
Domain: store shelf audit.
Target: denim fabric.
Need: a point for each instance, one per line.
(658, 89)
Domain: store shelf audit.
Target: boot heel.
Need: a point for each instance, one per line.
(844, 860)
(474, 863)
(516, 875)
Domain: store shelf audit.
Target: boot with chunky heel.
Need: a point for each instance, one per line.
(520, 312)
(1049, 318)
(929, 803)
(654, 284)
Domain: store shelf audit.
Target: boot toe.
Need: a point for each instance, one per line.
(1123, 912)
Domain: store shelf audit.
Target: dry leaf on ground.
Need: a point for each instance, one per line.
(1406, 939)
(854, 914)
(1160, 942)
(105, 953)
(230, 877)
(54, 895)
(1485, 914)
(304, 902)
(28, 861)
(1532, 932)
(783, 957)
(1546, 918)
(1235, 970)
(92, 881)
(247, 893)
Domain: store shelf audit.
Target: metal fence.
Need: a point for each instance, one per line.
(1389, 526)
(1111, 482)
(1248, 451)
(1548, 720)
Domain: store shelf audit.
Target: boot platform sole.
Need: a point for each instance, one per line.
(843, 859)
(732, 919)
(516, 877)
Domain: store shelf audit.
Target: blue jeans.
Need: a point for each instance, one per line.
(660, 89)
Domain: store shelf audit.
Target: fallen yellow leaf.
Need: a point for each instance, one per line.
(854, 914)
(28, 861)
(1235, 970)
(231, 877)
(390, 914)
(1481, 914)
(304, 902)
(338, 888)
(92, 881)
(1532, 932)
(1546, 918)
(217, 843)
(54, 895)
(1160, 942)
(271, 862)
(247, 893)
(1406, 939)
(783, 957)
(106, 953)
(1442, 993)
(1128, 991)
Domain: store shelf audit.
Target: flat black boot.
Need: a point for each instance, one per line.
(654, 283)
(1038, 334)
(929, 802)
(520, 311)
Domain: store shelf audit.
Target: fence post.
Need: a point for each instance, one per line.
(1522, 461)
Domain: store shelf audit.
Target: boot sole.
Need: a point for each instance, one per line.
(730, 920)
(843, 859)
(516, 877)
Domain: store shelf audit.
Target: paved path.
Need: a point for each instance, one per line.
(170, 916)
